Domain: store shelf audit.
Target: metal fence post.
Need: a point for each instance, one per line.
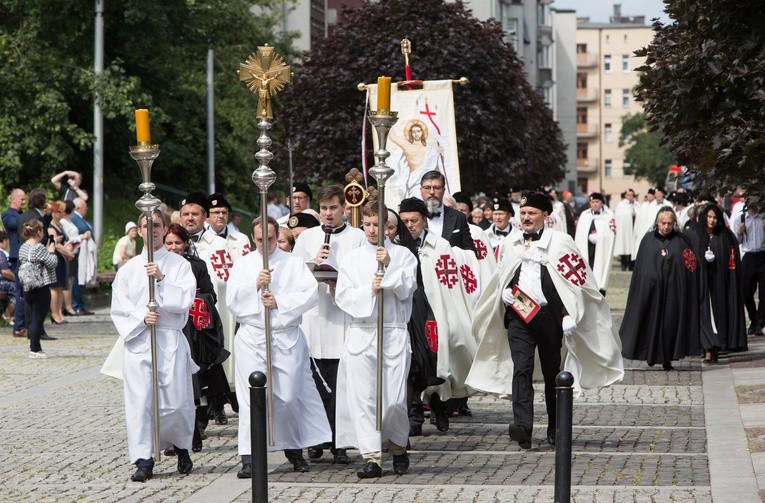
(564, 397)
(258, 417)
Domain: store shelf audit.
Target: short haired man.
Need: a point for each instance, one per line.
(301, 202)
(12, 222)
(358, 287)
(543, 291)
(67, 184)
(325, 326)
(595, 237)
(625, 214)
(299, 419)
(175, 287)
(86, 256)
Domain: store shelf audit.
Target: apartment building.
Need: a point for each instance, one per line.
(605, 80)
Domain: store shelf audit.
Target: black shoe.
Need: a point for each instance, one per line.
(46, 337)
(170, 451)
(667, 366)
(299, 464)
(202, 433)
(415, 430)
(442, 420)
(142, 474)
(341, 457)
(315, 452)
(464, 410)
(370, 470)
(551, 437)
(184, 462)
(245, 472)
(220, 417)
(752, 329)
(520, 435)
(400, 464)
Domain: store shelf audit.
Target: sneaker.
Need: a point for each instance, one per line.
(37, 355)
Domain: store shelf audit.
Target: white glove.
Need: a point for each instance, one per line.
(507, 296)
(709, 255)
(593, 238)
(569, 326)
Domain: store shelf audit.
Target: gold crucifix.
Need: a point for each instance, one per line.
(264, 73)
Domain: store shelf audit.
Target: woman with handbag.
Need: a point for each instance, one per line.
(64, 253)
(37, 271)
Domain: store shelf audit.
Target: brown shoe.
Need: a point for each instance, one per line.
(20, 333)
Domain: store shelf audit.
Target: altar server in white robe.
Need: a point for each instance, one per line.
(175, 287)
(357, 292)
(595, 237)
(626, 214)
(299, 418)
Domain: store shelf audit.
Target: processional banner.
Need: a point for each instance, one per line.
(423, 139)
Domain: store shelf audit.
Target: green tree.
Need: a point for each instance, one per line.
(646, 156)
(704, 82)
(155, 57)
(506, 135)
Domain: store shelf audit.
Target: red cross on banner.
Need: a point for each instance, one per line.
(480, 249)
(431, 335)
(221, 262)
(199, 314)
(430, 114)
(468, 278)
(446, 271)
(572, 268)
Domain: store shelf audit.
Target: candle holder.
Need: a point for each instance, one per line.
(382, 121)
(145, 154)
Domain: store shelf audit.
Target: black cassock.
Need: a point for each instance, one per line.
(423, 336)
(661, 318)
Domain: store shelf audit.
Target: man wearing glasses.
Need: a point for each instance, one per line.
(446, 222)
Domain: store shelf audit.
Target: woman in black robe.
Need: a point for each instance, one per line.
(661, 317)
(722, 324)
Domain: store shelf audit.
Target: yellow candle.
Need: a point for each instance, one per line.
(383, 93)
(142, 126)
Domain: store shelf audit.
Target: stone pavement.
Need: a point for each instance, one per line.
(696, 434)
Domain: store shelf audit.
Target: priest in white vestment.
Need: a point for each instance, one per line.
(174, 291)
(299, 418)
(595, 234)
(357, 294)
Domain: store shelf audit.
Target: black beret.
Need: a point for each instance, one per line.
(537, 200)
(461, 197)
(502, 204)
(659, 189)
(302, 220)
(413, 204)
(196, 198)
(652, 191)
(597, 196)
(218, 201)
(302, 187)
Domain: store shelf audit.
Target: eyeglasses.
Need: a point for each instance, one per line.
(218, 212)
(428, 188)
(299, 198)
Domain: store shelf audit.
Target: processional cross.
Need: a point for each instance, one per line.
(264, 73)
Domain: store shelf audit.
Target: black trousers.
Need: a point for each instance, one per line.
(752, 279)
(545, 333)
(37, 304)
(328, 369)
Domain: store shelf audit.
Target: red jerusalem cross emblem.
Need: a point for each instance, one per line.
(689, 259)
(199, 314)
(572, 267)
(246, 249)
(480, 249)
(221, 262)
(446, 271)
(431, 335)
(468, 278)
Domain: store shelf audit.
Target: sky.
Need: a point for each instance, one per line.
(600, 10)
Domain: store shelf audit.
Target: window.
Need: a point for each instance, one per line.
(607, 98)
(625, 63)
(625, 98)
(581, 115)
(608, 39)
(608, 133)
(607, 166)
(607, 63)
(581, 151)
(581, 81)
(581, 48)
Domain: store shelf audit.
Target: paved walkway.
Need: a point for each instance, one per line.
(691, 435)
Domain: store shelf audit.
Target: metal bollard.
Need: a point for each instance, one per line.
(258, 439)
(564, 397)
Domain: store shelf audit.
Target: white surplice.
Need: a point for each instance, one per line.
(299, 417)
(626, 216)
(605, 228)
(174, 295)
(357, 373)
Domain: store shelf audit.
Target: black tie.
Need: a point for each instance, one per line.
(500, 233)
(435, 214)
(532, 237)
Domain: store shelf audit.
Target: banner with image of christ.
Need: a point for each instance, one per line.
(423, 139)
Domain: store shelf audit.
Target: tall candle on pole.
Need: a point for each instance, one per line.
(382, 120)
(265, 73)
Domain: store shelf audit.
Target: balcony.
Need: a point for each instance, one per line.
(586, 94)
(586, 132)
(586, 166)
(586, 60)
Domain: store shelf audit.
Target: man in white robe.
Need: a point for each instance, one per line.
(357, 294)
(503, 223)
(211, 248)
(546, 267)
(595, 233)
(175, 287)
(326, 324)
(299, 419)
(625, 215)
